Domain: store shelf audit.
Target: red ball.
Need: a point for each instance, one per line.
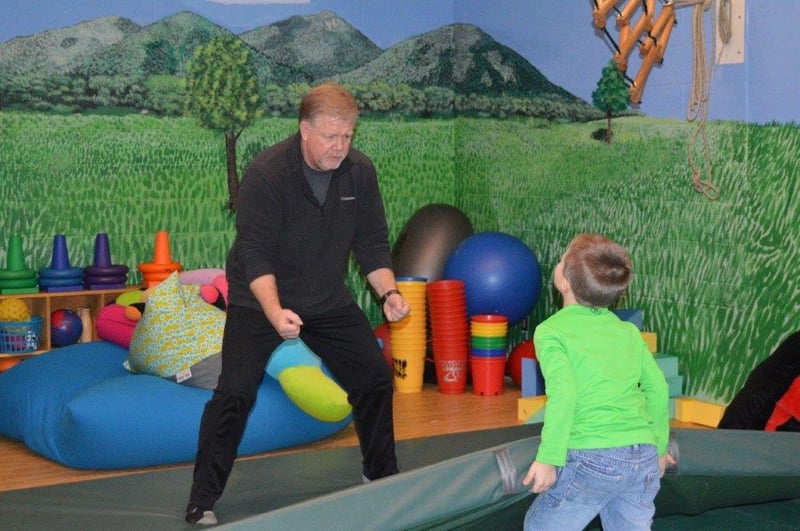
(524, 349)
(65, 328)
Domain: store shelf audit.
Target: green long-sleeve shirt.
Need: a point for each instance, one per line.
(604, 389)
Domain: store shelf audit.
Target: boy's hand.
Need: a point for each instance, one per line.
(665, 462)
(541, 475)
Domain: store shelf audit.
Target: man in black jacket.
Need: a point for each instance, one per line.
(304, 205)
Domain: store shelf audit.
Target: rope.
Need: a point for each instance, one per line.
(724, 24)
(700, 93)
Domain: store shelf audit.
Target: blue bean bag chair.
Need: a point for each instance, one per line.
(78, 406)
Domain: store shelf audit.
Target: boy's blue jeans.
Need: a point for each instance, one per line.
(619, 484)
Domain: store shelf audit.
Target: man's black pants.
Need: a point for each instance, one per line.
(346, 344)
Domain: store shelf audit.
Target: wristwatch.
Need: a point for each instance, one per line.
(388, 293)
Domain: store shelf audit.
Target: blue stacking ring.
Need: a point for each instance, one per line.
(488, 353)
(60, 282)
(68, 272)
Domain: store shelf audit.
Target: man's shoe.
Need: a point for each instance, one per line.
(196, 515)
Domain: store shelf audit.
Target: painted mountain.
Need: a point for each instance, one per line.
(322, 45)
(58, 51)
(460, 57)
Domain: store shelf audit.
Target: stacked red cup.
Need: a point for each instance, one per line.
(447, 310)
(488, 353)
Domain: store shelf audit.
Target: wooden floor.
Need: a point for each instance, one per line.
(416, 415)
(421, 414)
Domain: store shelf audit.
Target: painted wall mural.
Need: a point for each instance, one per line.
(489, 109)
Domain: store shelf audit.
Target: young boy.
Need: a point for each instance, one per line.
(606, 424)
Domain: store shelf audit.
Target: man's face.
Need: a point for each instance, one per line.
(326, 141)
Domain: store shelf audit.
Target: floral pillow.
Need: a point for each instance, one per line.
(177, 331)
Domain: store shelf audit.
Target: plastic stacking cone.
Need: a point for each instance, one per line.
(60, 276)
(17, 278)
(14, 258)
(161, 254)
(102, 251)
(60, 258)
(162, 265)
(102, 274)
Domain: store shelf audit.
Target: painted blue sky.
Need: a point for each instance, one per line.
(555, 36)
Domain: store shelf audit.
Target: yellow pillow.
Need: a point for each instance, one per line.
(313, 392)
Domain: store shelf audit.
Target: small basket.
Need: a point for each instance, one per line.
(18, 337)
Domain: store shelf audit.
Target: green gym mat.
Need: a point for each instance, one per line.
(718, 469)
(726, 480)
(156, 500)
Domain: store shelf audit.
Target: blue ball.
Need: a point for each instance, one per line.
(66, 328)
(501, 275)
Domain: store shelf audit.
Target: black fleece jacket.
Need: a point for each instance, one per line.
(283, 230)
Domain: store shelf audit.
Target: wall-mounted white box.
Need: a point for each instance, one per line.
(731, 52)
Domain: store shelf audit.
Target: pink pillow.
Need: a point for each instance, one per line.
(199, 276)
(113, 326)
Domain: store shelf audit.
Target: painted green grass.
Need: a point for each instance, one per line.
(716, 279)
(132, 176)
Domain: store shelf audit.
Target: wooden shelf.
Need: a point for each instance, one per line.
(44, 304)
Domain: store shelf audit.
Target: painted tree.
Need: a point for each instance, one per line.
(611, 95)
(222, 94)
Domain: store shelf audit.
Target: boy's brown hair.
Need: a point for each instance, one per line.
(598, 269)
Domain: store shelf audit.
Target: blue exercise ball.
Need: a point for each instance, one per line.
(501, 275)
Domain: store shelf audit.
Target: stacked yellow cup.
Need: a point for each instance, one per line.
(409, 337)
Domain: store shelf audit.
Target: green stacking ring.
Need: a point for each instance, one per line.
(7, 274)
(18, 283)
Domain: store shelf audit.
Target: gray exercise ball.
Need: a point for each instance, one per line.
(428, 238)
